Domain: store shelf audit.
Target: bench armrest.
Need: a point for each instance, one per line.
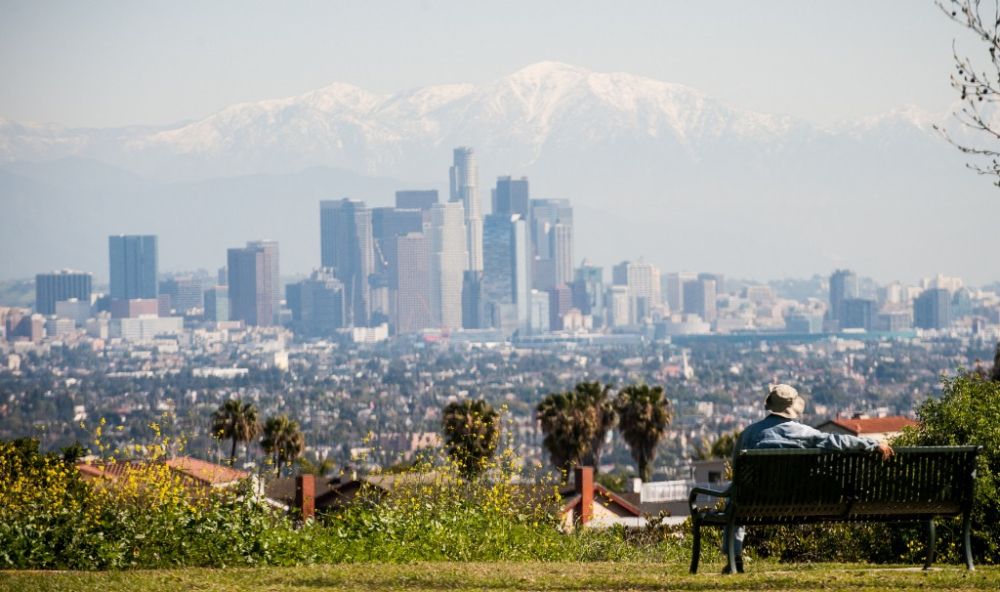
(695, 491)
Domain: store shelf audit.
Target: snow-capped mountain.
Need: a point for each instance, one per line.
(653, 168)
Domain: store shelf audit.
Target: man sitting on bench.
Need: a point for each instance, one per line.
(780, 430)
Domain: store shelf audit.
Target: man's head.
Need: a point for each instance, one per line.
(785, 401)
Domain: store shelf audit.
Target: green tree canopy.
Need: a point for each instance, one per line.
(471, 433)
(968, 412)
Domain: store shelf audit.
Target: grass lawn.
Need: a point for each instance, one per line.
(511, 576)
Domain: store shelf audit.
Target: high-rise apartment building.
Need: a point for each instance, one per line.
(414, 309)
(61, 285)
(183, 293)
(217, 303)
(271, 254)
(675, 289)
(699, 298)
(347, 246)
(317, 303)
(133, 266)
(843, 286)
(449, 258)
(932, 309)
(251, 284)
(464, 176)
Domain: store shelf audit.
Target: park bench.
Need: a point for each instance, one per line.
(800, 486)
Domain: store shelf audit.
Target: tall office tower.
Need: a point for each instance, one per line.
(932, 309)
(416, 199)
(348, 247)
(317, 303)
(859, 313)
(675, 289)
(464, 174)
(540, 312)
(271, 254)
(472, 300)
(560, 303)
(699, 299)
(133, 266)
(448, 262)
(387, 225)
(251, 284)
(512, 196)
(619, 308)
(414, 308)
(217, 303)
(562, 252)
(843, 285)
(183, 293)
(552, 241)
(506, 287)
(643, 282)
(61, 285)
(589, 293)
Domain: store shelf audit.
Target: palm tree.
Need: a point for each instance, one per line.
(644, 413)
(598, 398)
(235, 420)
(569, 425)
(471, 433)
(282, 440)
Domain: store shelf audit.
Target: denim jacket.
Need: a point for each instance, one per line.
(775, 431)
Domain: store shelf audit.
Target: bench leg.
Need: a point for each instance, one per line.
(967, 539)
(731, 547)
(931, 544)
(696, 546)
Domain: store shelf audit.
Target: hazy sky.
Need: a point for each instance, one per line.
(102, 63)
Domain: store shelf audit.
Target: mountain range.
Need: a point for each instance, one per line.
(654, 169)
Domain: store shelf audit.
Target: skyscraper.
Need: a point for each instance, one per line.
(413, 309)
(464, 174)
(512, 196)
(448, 262)
(843, 285)
(251, 283)
(217, 303)
(932, 309)
(505, 287)
(472, 300)
(58, 286)
(675, 289)
(589, 294)
(348, 247)
(552, 242)
(317, 303)
(699, 298)
(270, 249)
(133, 266)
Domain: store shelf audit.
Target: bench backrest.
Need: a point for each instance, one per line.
(790, 484)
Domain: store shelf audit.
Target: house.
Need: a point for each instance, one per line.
(198, 476)
(591, 505)
(310, 494)
(882, 429)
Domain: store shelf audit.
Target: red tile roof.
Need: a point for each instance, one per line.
(204, 471)
(874, 425)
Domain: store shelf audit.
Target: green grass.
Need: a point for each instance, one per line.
(368, 577)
